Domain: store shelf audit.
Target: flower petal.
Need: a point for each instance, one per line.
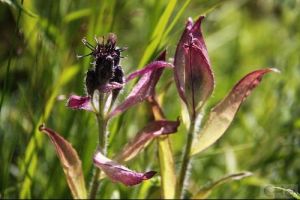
(223, 113)
(150, 67)
(145, 136)
(192, 71)
(119, 173)
(80, 103)
(70, 162)
(144, 88)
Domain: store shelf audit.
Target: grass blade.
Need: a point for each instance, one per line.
(206, 191)
(158, 33)
(31, 160)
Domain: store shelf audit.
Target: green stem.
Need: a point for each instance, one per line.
(185, 160)
(102, 126)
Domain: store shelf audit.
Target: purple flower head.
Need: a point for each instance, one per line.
(106, 68)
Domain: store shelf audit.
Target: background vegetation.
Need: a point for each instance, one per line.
(39, 41)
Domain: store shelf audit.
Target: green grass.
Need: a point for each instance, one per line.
(39, 41)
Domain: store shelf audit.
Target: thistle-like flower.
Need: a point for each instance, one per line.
(106, 73)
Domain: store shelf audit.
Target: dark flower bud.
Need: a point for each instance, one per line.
(119, 78)
(106, 69)
(91, 82)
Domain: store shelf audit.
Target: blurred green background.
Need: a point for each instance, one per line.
(39, 41)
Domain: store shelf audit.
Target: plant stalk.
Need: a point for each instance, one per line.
(185, 160)
(102, 126)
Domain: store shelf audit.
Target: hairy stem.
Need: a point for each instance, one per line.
(102, 126)
(186, 159)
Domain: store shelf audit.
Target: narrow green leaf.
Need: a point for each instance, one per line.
(77, 15)
(28, 167)
(206, 191)
(222, 114)
(167, 169)
(16, 4)
(70, 162)
(176, 18)
(166, 160)
(158, 33)
(289, 191)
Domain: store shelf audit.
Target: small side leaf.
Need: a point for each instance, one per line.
(145, 136)
(206, 191)
(222, 114)
(70, 162)
(80, 103)
(119, 173)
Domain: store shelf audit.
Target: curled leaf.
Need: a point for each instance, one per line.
(119, 173)
(144, 87)
(193, 75)
(70, 162)
(145, 136)
(80, 103)
(222, 114)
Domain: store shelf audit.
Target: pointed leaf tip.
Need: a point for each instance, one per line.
(149, 175)
(275, 70)
(224, 112)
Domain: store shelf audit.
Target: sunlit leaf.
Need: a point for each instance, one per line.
(206, 191)
(70, 162)
(222, 114)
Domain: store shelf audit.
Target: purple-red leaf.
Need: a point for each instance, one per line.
(150, 67)
(120, 173)
(193, 75)
(70, 162)
(110, 86)
(145, 136)
(144, 88)
(223, 113)
(80, 103)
